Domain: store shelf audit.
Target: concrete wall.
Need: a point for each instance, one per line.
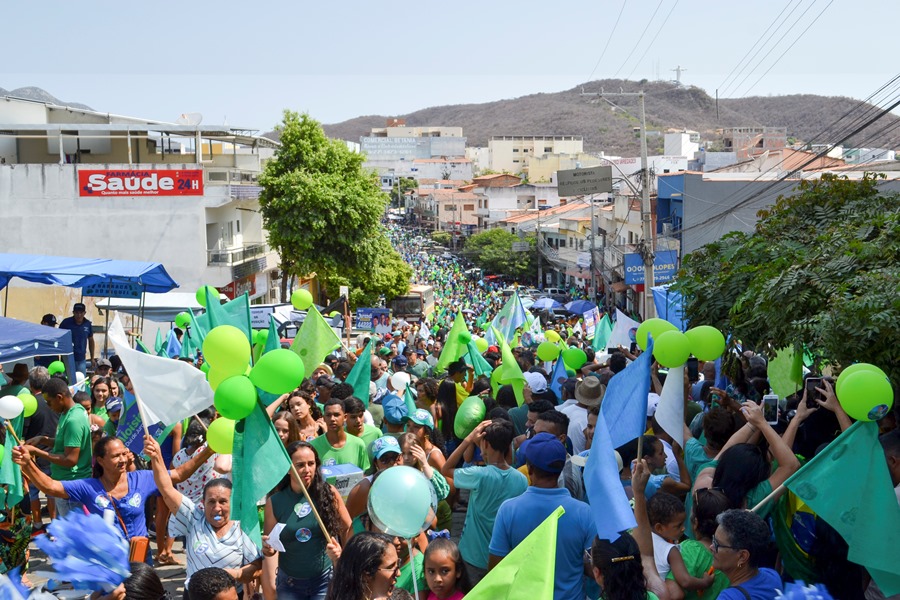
(509, 154)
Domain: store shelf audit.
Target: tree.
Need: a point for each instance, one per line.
(398, 191)
(492, 250)
(441, 237)
(822, 268)
(322, 209)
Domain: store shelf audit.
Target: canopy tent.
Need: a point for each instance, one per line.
(669, 305)
(84, 272)
(20, 340)
(161, 308)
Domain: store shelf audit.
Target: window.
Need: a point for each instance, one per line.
(562, 243)
(468, 207)
(515, 149)
(238, 223)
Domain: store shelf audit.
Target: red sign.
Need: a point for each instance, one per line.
(237, 288)
(156, 182)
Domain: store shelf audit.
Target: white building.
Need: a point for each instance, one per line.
(88, 184)
(509, 152)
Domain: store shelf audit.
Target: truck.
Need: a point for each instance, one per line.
(414, 306)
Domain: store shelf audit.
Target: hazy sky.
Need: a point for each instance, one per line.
(246, 61)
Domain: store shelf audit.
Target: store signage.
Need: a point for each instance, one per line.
(159, 182)
(665, 265)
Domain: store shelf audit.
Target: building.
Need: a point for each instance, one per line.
(543, 168)
(389, 149)
(509, 152)
(746, 141)
(87, 184)
(681, 143)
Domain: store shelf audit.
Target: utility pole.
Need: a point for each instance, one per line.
(646, 247)
(593, 233)
(538, 241)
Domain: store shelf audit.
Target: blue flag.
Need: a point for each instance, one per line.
(130, 428)
(625, 402)
(510, 318)
(558, 377)
(173, 346)
(609, 504)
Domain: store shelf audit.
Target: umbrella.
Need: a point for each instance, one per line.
(580, 306)
(546, 303)
(467, 311)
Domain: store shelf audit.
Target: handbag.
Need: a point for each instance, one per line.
(138, 545)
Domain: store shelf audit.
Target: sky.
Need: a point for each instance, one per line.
(242, 63)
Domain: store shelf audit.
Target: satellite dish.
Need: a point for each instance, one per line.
(189, 119)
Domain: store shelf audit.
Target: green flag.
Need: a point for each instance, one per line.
(526, 573)
(510, 371)
(10, 474)
(478, 362)
(315, 340)
(848, 485)
(785, 372)
(273, 342)
(410, 401)
(234, 312)
(259, 461)
(454, 347)
(189, 346)
(361, 374)
(160, 345)
(601, 334)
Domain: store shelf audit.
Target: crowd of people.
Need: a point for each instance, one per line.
(695, 537)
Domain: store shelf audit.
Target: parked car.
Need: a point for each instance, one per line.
(555, 293)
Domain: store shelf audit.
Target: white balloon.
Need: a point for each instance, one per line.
(79, 376)
(11, 407)
(399, 381)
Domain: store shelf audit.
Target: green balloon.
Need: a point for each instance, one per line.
(574, 358)
(202, 292)
(655, 327)
(464, 338)
(481, 343)
(866, 395)
(220, 435)
(205, 367)
(57, 366)
(856, 368)
(301, 299)
(227, 349)
(471, 412)
(278, 372)
(552, 336)
(547, 351)
(216, 376)
(707, 343)
(260, 336)
(672, 349)
(182, 320)
(30, 403)
(235, 397)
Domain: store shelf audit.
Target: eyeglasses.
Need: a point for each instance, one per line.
(393, 569)
(716, 545)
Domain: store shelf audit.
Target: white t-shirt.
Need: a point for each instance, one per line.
(577, 422)
(661, 549)
(671, 461)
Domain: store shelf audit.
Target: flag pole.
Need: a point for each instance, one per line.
(12, 432)
(776, 493)
(140, 407)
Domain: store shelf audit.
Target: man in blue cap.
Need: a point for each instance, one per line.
(545, 457)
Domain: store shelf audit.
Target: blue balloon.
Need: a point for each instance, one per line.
(402, 502)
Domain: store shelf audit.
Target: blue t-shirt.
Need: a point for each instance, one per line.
(761, 587)
(130, 508)
(80, 335)
(520, 516)
(490, 487)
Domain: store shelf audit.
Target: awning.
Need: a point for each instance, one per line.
(85, 272)
(161, 308)
(20, 340)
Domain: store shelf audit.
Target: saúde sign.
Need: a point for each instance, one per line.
(157, 182)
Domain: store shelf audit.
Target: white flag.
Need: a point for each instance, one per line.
(169, 390)
(623, 331)
(670, 411)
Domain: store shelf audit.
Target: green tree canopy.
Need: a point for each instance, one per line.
(322, 210)
(822, 268)
(492, 250)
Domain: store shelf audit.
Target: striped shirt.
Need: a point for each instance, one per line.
(232, 551)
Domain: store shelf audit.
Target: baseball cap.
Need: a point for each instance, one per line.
(324, 381)
(384, 351)
(652, 403)
(394, 409)
(79, 307)
(421, 352)
(400, 361)
(385, 444)
(546, 452)
(103, 363)
(536, 382)
(422, 417)
(49, 319)
(113, 404)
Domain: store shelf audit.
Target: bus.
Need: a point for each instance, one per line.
(415, 305)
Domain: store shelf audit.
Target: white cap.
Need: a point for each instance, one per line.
(652, 403)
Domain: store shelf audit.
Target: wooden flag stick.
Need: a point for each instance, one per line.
(776, 493)
(140, 405)
(12, 432)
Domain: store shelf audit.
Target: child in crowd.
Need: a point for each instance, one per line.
(444, 571)
(697, 554)
(667, 516)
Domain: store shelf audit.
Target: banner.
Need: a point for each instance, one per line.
(591, 318)
(374, 319)
(665, 265)
(156, 182)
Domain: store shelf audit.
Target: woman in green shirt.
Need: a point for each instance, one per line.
(304, 568)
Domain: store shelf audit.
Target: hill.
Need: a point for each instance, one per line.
(610, 129)
(40, 95)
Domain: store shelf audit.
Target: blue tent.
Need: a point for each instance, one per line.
(85, 272)
(669, 306)
(20, 340)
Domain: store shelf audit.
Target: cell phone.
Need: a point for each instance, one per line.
(693, 369)
(634, 348)
(812, 393)
(612, 350)
(770, 408)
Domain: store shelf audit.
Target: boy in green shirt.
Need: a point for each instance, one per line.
(336, 447)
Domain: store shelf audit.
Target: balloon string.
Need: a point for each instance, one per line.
(412, 568)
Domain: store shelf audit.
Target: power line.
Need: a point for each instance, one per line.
(640, 37)
(796, 39)
(653, 41)
(727, 77)
(608, 39)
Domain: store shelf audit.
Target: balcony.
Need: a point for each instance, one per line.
(235, 256)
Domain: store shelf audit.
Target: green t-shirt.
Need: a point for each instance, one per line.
(304, 543)
(353, 452)
(369, 434)
(73, 431)
(100, 411)
(404, 581)
(698, 559)
(695, 459)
